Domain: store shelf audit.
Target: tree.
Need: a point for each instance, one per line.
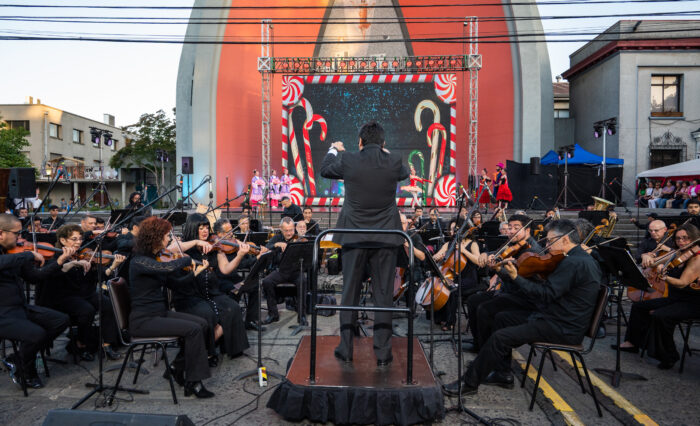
(154, 134)
(12, 141)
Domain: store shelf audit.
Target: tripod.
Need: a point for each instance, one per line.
(535, 198)
(100, 387)
(565, 190)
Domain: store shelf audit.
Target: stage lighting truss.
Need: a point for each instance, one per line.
(369, 64)
(566, 152)
(608, 126)
(98, 136)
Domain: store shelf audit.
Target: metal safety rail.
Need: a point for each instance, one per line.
(316, 307)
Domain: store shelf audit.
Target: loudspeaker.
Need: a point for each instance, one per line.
(535, 165)
(90, 418)
(22, 183)
(187, 166)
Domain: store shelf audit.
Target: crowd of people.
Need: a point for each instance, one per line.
(671, 194)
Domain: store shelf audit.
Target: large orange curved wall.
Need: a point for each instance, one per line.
(238, 101)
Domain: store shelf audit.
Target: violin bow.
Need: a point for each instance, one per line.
(503, 247)
(555, 240)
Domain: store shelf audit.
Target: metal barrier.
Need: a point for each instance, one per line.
(314, 293)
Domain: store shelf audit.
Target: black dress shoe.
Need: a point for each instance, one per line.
(666, 365)
(385, 362)
(85, 355)
(450, 389)
(469, 347)
(197, 389)
(34, 382)
(340, 357)
(213, 361)
(253, 325)
(502, 379)
(270, 319)
(111, 353)
(632, 350)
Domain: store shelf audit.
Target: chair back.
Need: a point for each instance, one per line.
(121, 304)
(598, 312)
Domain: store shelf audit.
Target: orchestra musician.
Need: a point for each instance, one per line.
(136, 204)
(654, 321)
(564, 304)
(291, 210)
(205, 297)
(312, 226)
(125, 244)
(479, 305)
(419, 253)
(53, 222)
(370, 176)
(278, 243)
(73, 290)
(34, 326)
(657, 232)
(150, 316)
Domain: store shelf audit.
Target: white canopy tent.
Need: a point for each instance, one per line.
(686, 168)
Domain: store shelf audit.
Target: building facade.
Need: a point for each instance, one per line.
(646, 74)
(60, 139)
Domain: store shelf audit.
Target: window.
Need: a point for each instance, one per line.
(114, 147)
(77, 136)
(561, 113)
(666, 96)
(664, 157)
(16, 124)
(55, 130)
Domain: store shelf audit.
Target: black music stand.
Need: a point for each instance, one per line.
(298, 255)
(177, 218)
(430, 236)
(256, 273)
(257, 238)
(117, 214)
(493, 243)
(491, 228)
(621, 264)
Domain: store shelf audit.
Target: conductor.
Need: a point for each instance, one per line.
(371, 176)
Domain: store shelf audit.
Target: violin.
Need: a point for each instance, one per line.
(511, 251)
(530, 264)
(168, 256)
(229, 246)
(88, 254)
(44, 250)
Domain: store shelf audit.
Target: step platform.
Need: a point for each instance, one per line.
(361, 392)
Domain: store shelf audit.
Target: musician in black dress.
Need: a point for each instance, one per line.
(205, 297)
(73, 290)
(150, 315)
(654, 321)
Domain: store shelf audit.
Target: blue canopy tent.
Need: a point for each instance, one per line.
(581, 156)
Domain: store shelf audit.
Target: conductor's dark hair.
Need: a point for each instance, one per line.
(563, 227)
(191, 230)
(372, 133)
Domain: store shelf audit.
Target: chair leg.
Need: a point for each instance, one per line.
(110, 399)
(527, 366)
(170, 373)
(537, 381)
(46, 366)
(686, 349)
(590, 385)
(578, 374)
(551, 357)
(19, 368)
(138, 369)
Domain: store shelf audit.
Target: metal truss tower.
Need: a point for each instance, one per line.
(265, 69)
(474, 65)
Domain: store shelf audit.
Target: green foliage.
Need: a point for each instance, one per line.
(153, 132)
(12, 142)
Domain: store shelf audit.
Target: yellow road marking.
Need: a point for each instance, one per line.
(611, 393)
(558, 402)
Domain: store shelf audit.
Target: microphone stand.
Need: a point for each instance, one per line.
(189, 194)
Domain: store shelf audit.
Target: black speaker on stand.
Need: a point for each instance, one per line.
(535, 166)
(21, 183)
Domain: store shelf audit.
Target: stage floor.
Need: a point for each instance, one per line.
(363, 372)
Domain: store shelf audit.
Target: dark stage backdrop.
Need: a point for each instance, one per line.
(584, 182)
(346, 107)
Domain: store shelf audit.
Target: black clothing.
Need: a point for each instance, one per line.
(150, 316)
(645, 246)
(49, 223)
(212, 304)
(371, 177)
(293, 211)
(313, 228)
(469, 282)
(273, 279)
(125, 244)
(36, 327)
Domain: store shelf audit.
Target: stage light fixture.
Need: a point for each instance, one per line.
(385, 64)
(352, 63)
(611, 129)
(342, 64)
(107, 138)
(453, 62)
(597, 131)
(431, 63)
(395, 63)
(319, 64)
(409, 63)
(419, 63)
(373, 64)
(363, 64)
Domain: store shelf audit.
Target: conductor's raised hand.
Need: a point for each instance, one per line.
(338, 146)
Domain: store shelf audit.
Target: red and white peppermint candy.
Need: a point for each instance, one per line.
(296, 192)
(292, 89)
(446, 87)
(446, 191)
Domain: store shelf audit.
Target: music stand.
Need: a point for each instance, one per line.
(256, 273)
(493, 243)
(491, 228)
(255, 225)
(117, 214)
(429, 236)
(621, 264)
(296, 255)
(176, 218)
(257, 238)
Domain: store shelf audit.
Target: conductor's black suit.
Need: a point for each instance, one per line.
(371, 176)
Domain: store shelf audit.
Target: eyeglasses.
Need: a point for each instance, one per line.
(17, 233)
(682, 238)
(75, 239)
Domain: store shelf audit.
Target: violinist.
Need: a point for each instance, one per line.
(312, 226)
(657, 232)
(125, 244)
(23, 216)
(462, 216)
(469, 280)
(479, 305)
(419, 253)
(53, 222)
(300, 229)
(278, 243)
(205, 297)
(136, 204)
(232, 283)
(564, 302)
(72, 290)
(654, 321)
(34, 326)
(92, 226)
(150, 316)
(418, 217)
(37, 226)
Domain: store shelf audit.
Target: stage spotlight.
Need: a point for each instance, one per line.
(107, 138)
(395, 64)
(385, 64)
(373, 64)
(319, 64)
(419, 63)
(409, 63)
(597, 131)
(342, 64)
(363, 64)
(611, 129)
(352, 63)
(453, 62)
(431, 63)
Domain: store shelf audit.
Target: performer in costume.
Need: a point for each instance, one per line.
(371, 176)
(257, 185)
(274, 194)
(485, 182)
(413, 187)
(501, 189)
(285, 183)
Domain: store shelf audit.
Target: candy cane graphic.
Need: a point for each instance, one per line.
(293, 141)
(428, 104)
(435, 130)
(315, 118)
